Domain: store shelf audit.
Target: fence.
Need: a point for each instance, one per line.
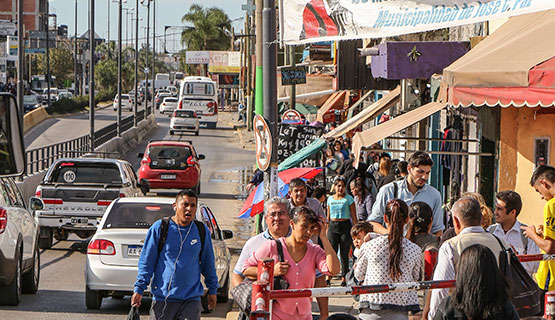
(39, 159)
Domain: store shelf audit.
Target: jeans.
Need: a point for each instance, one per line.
(339, 234)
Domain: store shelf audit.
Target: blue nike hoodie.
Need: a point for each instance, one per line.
(186, 284)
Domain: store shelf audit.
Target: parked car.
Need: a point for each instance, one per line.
(184, 121)
(126, 102)
(64, 95)
(113, 252)
(77, 191)
(30, 103)
(170, 165)
(168, 105)
(19, 248)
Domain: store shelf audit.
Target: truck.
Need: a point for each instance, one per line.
(77, 191)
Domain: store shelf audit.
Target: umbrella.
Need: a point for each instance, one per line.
(254, 204)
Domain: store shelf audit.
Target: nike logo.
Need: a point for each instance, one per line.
(193, 241)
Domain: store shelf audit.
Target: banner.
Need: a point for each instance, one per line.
(310, 21)
(224, 62)
(197, 57)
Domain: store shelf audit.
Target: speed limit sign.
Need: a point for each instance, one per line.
(263, 141)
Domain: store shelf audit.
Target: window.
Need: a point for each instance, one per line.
(207, 221)
(208, 216)
(541, 151)
(188, 114)
(86, 172)
(14, 196)
(199, 88)
(169, 157)
(136, 215)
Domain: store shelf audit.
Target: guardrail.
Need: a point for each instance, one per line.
(39, 159)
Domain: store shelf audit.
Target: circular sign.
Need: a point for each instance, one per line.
(263, 140)
(69, 176)
(291, 114)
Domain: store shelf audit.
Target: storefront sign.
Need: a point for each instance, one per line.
(224, 62)
(197, 57)
(7, 28)
(293, 138)
(318, 20)
(293, 75)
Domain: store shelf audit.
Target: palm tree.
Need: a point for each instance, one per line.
(211, 29)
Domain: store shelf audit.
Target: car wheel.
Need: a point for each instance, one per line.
(196, 133)
(11, 294)
(93, 299)
(204, 302)
(223, 292)
(45, 242)
(32, 277)
(171, 132)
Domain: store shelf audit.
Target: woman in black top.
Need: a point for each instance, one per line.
(481, 290)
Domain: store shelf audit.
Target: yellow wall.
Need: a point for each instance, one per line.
(519, 127)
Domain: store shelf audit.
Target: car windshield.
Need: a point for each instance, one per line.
(124, 96)
(71, 172)
(136, 215)
(185, 114)
(169, 157)
(170, 100)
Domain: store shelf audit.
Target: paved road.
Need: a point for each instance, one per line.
(61, 291)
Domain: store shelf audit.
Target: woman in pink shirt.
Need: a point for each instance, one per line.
(301, 261)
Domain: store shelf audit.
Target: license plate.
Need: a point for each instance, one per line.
(134, 251)
(167, 176)
(79, 220)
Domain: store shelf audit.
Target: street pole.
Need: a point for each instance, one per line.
(48, 56)
(259, 105)
(20, 56)
(119, 67)
(153, 55)
(270, 89)
(75, 80)
(146, 56)
(109, 1)
(136, 78)
(92, 104)
(292, 90)
(249, 101)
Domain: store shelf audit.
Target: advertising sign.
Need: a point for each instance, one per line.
(309, 21)
(197, 57)
(293, 138)
(7, 28)
(225, 62)
(293, 75)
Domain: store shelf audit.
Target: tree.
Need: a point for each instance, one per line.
(106, 74)
(61, 65)
(211, 29)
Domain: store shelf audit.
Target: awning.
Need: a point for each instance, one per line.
(302, 154)
(367, 114)
(388, 128)
(337, 99)
(303, 108)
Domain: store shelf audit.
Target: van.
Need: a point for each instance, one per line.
(201, 95)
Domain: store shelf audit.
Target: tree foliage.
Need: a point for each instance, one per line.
(61, 64)
(211, 29)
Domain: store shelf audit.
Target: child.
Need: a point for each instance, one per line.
(543, 180)
(420, 225)
(361, 232)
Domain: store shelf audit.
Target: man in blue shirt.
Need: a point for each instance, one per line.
(411, 189)
(176, 287)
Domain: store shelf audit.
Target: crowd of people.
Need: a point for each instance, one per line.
(385, 224)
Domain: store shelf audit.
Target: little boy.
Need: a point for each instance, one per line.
(543, 180)
(361, 232)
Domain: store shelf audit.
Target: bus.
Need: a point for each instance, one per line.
(200, 94)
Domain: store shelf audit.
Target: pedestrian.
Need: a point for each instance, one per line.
(361, 232)
(301, 257)
(402, 170)
(543, 181)
(389, 258)
(363, 199)
(384, 168)
(467, 219)
(241, 110)
(338, 152)
(507, 208)
(341, 215)
(420, 225)
(320, 194)
(176, 287)
(481, 290)
(487, 216)
(412, 188)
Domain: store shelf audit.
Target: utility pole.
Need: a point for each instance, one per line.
(20, 57)
(109, 26)
(153, 55)
(270, 89)
(259, 105)
(249, 72)
(92, 104)
(146, 55)
(136, 102)
(75, 80)
(119, 67)
(292, 89)
(48, 54)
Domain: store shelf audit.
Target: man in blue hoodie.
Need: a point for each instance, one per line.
(176, 287)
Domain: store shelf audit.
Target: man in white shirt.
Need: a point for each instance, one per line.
(508, 228)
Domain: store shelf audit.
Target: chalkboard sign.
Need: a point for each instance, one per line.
(292, 138)
(293, 75)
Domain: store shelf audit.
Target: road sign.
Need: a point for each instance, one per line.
(146, 70)
(263, 140)
(291, 114)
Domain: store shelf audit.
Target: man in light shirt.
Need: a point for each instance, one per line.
(508, 228)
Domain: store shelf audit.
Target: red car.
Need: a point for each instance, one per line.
(171, 165)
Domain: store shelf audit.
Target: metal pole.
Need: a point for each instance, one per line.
(92, 104)
(146, 56)
(136, 78)
(108, 25)
(119, 67)
(75, 80)
(270, 87)
(48, 57)
(292, 91)
(248, 50)
(258, 92)
(153, 55)
(20, 56)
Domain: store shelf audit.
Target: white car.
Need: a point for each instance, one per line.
(126, 102)
(113, 252)
(184, 121)
(19, 248)
(168, 105)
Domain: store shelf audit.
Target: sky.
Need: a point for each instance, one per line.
(168, 13)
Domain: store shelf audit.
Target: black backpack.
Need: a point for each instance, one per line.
(164, 227)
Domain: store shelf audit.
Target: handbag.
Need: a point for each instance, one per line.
(242, 293)
(133, 314)
(523, 290)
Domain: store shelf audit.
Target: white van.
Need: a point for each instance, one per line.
(201, 95)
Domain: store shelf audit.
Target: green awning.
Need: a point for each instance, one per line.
(303, 108)
(302, 154)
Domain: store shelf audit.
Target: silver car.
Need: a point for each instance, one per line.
(113, 252)
(184, 121)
